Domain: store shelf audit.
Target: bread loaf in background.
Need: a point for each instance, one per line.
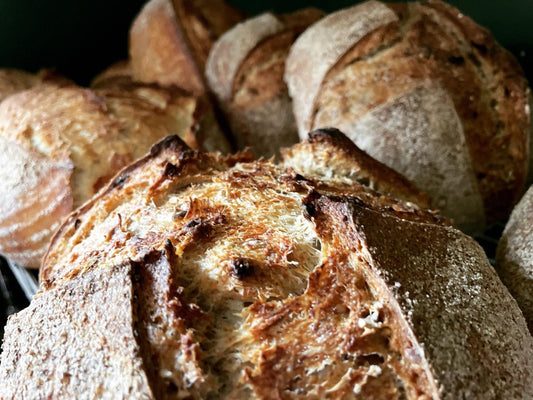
(425, 90)
(245, 71)
(514, 257)
(13, 81)
(219, 277)
(59, 146)
(170, 40)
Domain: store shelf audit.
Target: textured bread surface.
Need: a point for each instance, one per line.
(246, 280)
(59, 146)
(362, 70)
(13, 81)
(245, 71)
(514, 256)
(170, 40)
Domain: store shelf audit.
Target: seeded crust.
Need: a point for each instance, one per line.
(514, 257)
(245, 71)
(59, 146)
(250, 281)
(361, 68)
(170, 40)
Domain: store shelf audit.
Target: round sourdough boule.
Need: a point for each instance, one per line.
(425, 90)
(59, 146)
(245, 71)
(170, 40)
(198, 276)
(514, 256)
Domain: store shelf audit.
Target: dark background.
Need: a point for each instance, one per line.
(81, 38)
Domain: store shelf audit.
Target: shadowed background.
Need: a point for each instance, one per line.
(81, 38)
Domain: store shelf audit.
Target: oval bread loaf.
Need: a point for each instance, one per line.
(170, 40)
(245, 71)
(422, 88)
(197, 276)
(514, 256)
(59, 146)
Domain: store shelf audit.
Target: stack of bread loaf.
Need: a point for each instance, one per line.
(327, 258)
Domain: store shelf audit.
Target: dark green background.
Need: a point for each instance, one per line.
(80, 38)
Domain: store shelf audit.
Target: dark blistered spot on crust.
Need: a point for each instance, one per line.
(119, 180)
(456, 60)
(172, 142)
(309, 209)
(242, 268)
(170, 170)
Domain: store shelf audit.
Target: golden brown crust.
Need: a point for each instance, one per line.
(119, 70)
(375, 75)
(13, 81)
(170, 40)
(328, 154)
(245, 70)
(259, 271)
(61, 145)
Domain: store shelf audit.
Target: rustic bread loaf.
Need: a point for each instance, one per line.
(245, 71)
(197, 276)
(13, 81)
(170, 40)
(117, 71)
(514, 256)
(59, 146)
(422, 88)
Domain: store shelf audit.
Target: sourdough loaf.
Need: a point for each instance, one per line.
(194, 275)
(245, 71)
(170, 40)
(514, 256)
(13, 81)
(424, 89)
(59, 146)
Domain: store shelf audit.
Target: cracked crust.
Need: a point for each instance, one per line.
(61, 145)
(377, 57)
(245, 71)
(234, 270)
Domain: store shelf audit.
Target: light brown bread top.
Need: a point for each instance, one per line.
(235, 270)
(119, 70)
(328, 155)
(170, 40)
(13, 81)
(514, 256)
(61, 145)
(245, 71)
(381, 54)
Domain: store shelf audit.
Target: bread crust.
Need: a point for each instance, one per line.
(170, 40)
(61, 145)
(13, 80)
(335, 303)
(245, 71)
(420, 44)
(514, 261)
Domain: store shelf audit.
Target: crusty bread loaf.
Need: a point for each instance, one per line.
(422, 88)
(514, 256)
(117, 71)
(13, 81)
(170, 40)
(241, 279)
(245, 71)
(59, 146)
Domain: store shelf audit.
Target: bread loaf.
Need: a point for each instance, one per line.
(425, 90)
(170, 40)
(199, 276)
(13, 81)
(514, 256)
(59, 146)
(245, 71)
